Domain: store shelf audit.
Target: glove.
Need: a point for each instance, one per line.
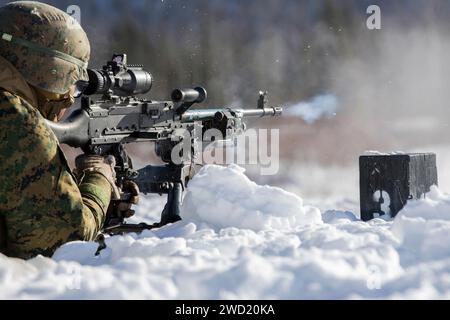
(122, 208)
(85, 164)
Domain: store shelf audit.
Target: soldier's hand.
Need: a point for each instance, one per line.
(85, 164)
(122, 208)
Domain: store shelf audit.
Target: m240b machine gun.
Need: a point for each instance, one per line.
(119, 117)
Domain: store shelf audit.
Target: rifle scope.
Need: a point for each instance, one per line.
(127, 82)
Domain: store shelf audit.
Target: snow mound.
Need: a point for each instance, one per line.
(423, 227)
(225, 197)
(216, 255)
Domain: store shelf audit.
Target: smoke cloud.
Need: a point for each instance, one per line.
(322, 106)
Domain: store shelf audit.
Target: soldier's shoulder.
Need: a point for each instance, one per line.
(13, 106)
(9, 99)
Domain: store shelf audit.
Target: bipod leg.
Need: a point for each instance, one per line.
(171, 212)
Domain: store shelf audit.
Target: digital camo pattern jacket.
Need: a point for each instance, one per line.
(41, 204)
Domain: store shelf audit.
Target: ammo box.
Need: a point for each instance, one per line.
(387, 181)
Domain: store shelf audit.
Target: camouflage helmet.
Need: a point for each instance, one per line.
(46, 45)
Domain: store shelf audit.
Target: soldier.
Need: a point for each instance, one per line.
(43, 53)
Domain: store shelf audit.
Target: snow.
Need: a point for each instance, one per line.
(249, 206)
(241, 240)
(424, 227)
(378, 153)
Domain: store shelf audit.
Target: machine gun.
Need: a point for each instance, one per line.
(119, 117)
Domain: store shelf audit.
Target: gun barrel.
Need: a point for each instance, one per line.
(263, 112)
(204, 114)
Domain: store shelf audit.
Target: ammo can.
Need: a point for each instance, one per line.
(388, 181)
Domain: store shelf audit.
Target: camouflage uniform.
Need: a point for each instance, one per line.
(41, 204)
